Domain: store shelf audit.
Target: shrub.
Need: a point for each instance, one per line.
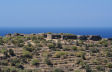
(77, 71)
(83, 64)
(108, 54)
(80, 54)
(11, 52)
(78, 61)
(1, 41)
(39, 45)
(4, 62)
(12, 69)
(94, 50)
(30, 49)
(27, 54)
(35, 62)
(14, 61)
(51, 46)
(58, 45)
(40, 37)
(83, 57)
(74, 48)
(34, 38)
(20, 45)
(60, 53)
(88, 69)
(109, 65)
(5, 70)
(5, 52)
(100, 68)
(29, 44)
(48, 62)
(58, 70)
(96, 62)
(18, 65)
(66, 48)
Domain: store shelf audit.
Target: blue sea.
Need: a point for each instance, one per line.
(104, 32)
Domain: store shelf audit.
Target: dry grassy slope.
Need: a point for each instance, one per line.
(92, 53)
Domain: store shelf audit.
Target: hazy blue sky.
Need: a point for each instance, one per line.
(55, 13)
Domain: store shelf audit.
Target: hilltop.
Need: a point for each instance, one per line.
(55, 52)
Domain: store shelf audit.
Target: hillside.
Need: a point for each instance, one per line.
(47, 52)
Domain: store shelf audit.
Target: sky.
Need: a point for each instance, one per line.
(55, 13)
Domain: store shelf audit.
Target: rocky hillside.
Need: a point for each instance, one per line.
(36, 53)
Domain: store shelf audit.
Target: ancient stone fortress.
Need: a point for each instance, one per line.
(62, 36)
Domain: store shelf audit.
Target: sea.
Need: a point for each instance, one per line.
(103, 32)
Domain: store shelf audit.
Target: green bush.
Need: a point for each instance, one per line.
(100, 68)
(4, 62)
(96, 62)
(5, 52)
(88, 69)
(108, 54)
(39, 45)
(74, 48)
(51, 45)
(58, 70)
(35, 62)
(59, 45)
(109, 65)
(27, 54)
(80, 54)
(10, 69)
(94, 50)
(34, 38)
(83, 64)
(14, 61)
(20, 44)
(48, 62)
(77, 71)
(30, 49)
(60, 53)
(18, 65)
(66, 48)
(78, 61)
(11, 52)
(1, 41)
